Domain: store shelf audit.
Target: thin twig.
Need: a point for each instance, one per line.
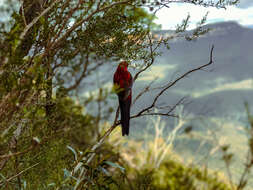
(23, 13)
(141, 113)
(16, 153)
(35, 20)
(18, 174)
(57, 43)
(175, 81)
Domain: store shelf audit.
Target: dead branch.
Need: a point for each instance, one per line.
(83, 74)
(167, 114)
(169, 85)
(145, 110)
(145, 90)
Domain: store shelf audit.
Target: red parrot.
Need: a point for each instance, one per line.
(123, 80)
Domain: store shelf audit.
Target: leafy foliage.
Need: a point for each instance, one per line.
(48, 48)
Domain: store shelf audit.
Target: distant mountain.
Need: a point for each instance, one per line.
(221, 86)
(233, 63)
(219, 90)
(216, 95)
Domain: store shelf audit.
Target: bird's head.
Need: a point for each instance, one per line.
(123, 65)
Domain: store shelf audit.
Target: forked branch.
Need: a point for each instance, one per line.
(146, 110)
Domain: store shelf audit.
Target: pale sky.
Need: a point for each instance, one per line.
(170, 17)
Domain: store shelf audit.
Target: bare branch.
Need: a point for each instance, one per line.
(175, 81)
(18, 174)
(23, 13)
(17, 153)
(35, 20)
(145, 110)
(79, 80)
(64, 23)
(145, 90)
(151, 61)
(211, 3)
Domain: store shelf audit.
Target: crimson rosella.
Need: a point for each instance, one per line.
(123, 81)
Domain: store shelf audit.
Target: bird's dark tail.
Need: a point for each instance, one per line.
(125, 115)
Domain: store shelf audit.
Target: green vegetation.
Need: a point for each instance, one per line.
(53, 138)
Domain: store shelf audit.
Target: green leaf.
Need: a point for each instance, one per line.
(51, 184)
(2, 176)
(115, 166)
(73, 150)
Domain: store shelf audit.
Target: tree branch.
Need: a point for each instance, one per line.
(142, 113)
(35, 20)
(175, 81)
(18, 174)
(33, 145)
(60, 40)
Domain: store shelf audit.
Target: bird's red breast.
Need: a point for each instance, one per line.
(122, 76)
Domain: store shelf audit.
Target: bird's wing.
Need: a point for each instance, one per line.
(125, 82)
(128, 87)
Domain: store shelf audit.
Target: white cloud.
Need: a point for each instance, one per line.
(170, 17)
(240, 85)
(220, 86)
(157, 71)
